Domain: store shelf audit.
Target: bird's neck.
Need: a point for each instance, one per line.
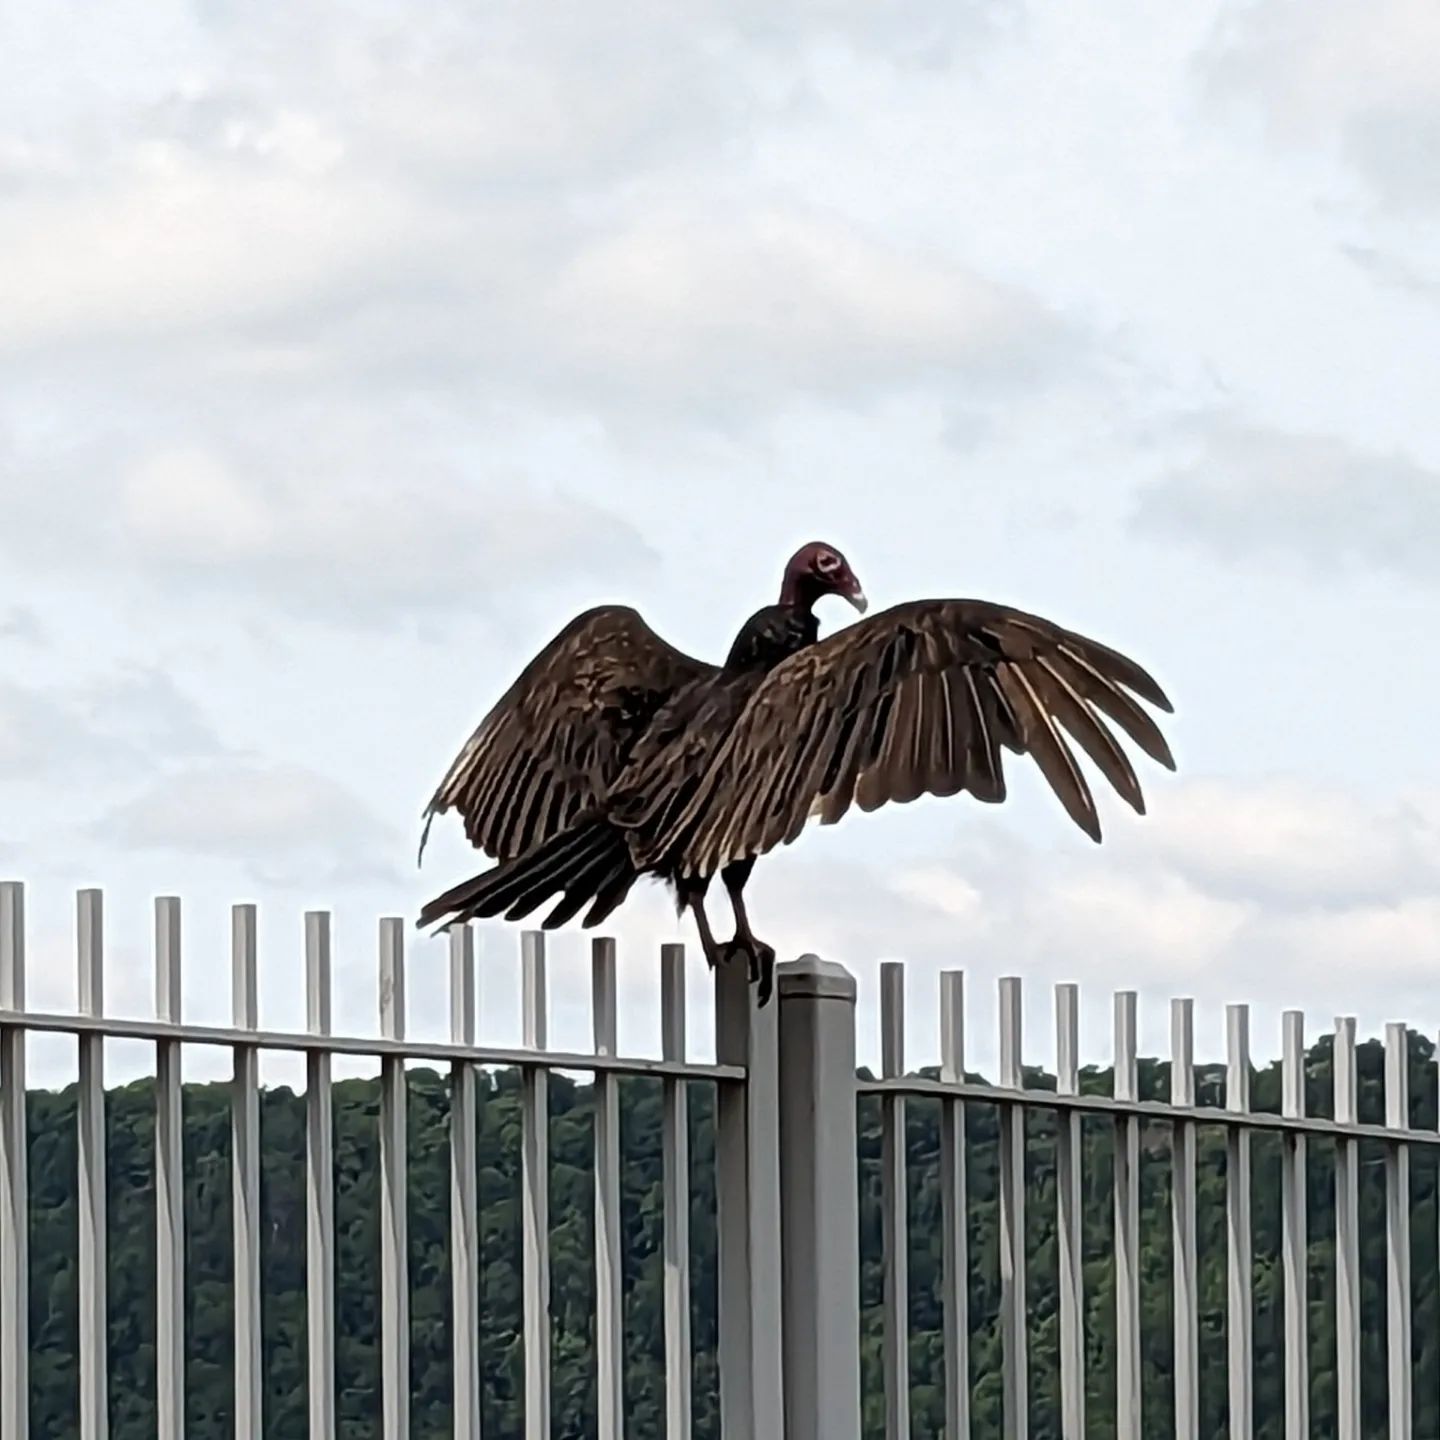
(799, 592)
(770, 636)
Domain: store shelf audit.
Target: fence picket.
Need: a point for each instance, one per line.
(169, 1182)
(90, 1118)
(1070, 1277)
(1241, 1335)
(1127, 1226)
(675, 1148)
(394, 1249)
(1347, 1237)
(1015, 1358)
(1294, 1227)
(747, 1212)
(609, 1281)
(464, 1196)
(893, 1190)
(1182, 1209)
(245, 1172)
(535, 1191)
(319, 1186)
(14, 1176)
(1397, 1232)
(955, 1210)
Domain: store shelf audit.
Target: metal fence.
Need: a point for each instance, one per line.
(1183, 1118)
(787, 1176)
(746, 1194)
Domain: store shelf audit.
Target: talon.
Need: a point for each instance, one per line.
(729, 950)
(766, 977)
(759, 962)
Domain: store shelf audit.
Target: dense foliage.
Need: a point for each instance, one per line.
(53, 1298)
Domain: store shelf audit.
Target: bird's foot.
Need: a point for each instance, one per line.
(729, 950)
(759, 961)
(765, 958)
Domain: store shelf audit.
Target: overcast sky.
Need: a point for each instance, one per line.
(347, 350)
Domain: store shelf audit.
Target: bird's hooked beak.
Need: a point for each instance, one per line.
(849, 587)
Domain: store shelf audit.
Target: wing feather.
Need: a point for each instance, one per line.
(1103, 693)
(984, 774)
(1069, 707)
(1041, 737)
(919, 699)
(559, 736)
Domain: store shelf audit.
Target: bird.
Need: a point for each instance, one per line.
(615, 756)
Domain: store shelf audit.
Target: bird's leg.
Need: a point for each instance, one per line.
(695, 903)
(760, 955)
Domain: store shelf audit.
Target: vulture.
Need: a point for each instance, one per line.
(615, 756)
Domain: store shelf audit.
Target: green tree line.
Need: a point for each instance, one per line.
(54, 1316)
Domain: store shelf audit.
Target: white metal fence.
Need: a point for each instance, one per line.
(1126, 1111)
(746, 1198)
(786, 1174)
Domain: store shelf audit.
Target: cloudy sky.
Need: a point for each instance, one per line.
(347, 350)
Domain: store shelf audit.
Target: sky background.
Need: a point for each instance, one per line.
(347, 350)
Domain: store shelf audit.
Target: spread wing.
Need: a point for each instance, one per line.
(915, 700)
(556, 740)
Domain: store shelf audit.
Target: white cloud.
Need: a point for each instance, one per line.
(286, 824)
(340, 525)
(186, 504)
(186, 245)
(21, 623)
(692, 303)
(295, 314)
(29, 725)
(1334, 506)
(386, 313)
(480, 202)
(1395, 270)
(1395, 946)
(134, 720)
(1274, 892)
(145, 708)
(517, 90)
(1358, 78)
(776, 301)
(1299, 841)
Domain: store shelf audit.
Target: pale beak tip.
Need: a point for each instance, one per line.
(859, 601)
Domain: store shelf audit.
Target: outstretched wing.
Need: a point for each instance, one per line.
(915, 700)
(556, 740)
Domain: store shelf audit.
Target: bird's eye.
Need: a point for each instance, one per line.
(827, 561)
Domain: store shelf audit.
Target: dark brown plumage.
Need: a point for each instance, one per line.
(614, 755)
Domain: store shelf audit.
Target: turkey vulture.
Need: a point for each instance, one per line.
(615, 756)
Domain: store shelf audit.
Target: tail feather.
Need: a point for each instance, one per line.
(606, 883)
(533, 888)
(581, 863)
(610, 896)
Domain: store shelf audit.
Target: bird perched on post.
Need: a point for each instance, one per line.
(615, 756)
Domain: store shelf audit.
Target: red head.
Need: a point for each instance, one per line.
(815, 570)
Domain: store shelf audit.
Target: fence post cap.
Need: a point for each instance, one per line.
(811, 978)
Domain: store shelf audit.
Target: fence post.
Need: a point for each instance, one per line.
(747, 1203)
(819, 1211)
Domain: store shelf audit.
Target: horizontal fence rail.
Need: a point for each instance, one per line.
(1186, 1120)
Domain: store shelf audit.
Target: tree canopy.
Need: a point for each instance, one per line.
(209, 1315)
